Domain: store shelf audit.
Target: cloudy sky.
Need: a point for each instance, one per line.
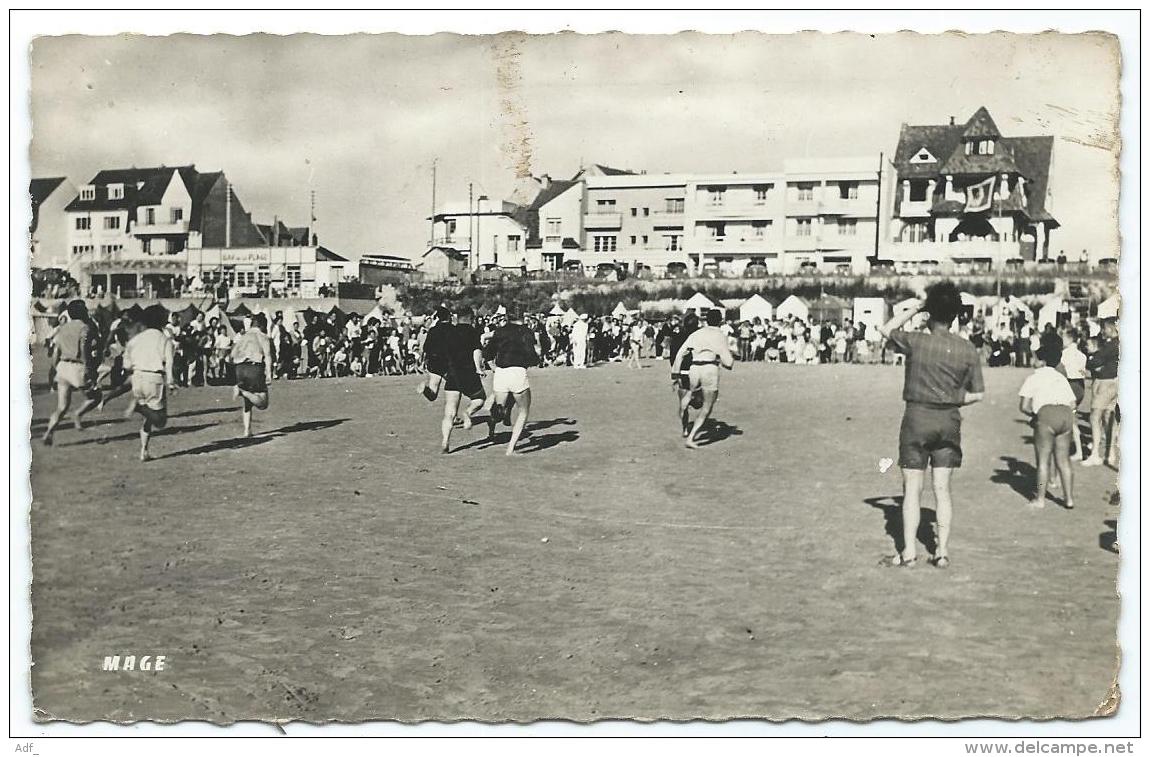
(360, 119)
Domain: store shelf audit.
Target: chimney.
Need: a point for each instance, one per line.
(481, 204)
(545, 181)
(952, 120)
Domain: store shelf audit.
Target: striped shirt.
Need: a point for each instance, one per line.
(940, 368)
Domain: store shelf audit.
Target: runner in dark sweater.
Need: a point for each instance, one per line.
(512, 351)
(464, 374)
(435, 348)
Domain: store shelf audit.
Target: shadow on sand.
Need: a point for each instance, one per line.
(1108, 539)
(170, 430)
(1018, 475)
(534, 443)
(715, 431)
(891, 507)
(245, 442)
(40, 424)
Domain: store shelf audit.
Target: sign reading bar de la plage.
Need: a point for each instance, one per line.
(230, 256)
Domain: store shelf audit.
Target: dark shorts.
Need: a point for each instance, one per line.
(251, 377)
(1078, 386)
(468, 384)
(437, 365)
(1054, 420)
(930, 436)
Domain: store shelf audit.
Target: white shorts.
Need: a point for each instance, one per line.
(71, 374)
(512, 380)
(149, 390)
(704, 376)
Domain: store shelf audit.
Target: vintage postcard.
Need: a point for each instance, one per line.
(575, 377)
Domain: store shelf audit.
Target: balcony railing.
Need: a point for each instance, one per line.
(603, 220)
(981, 249)
(914, 209)
(453, 240)
(173, 227)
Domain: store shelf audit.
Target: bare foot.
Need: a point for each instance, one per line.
(78, 423)
(690, 443)
(511, 452)
(144, 456)
(467, 422)
(445, 450)
(1036, 504)
(236, 392)
(47, 440)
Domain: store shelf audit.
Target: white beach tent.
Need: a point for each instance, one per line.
(1108, 308)
(570, 317)
(376, 313)
(557, 310)
(756, 306)
(700, 301)
(501, 310)
(794, 306)
(620, 310)
(870, 311)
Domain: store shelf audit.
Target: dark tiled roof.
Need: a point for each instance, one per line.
(1033, 157)
(200, 191)
(550, 193)
(608, 171)
(940, 141)
(40, 190)
(142, 186)
(981, 125)
(323, 253)
(570, 244)
(450, 252)
(1002, 161)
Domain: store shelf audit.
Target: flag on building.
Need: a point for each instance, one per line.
(979, 196)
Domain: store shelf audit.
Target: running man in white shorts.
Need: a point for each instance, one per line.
(512, 351)
(709, 349)
(150, 356)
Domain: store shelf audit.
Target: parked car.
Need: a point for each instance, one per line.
(573, 266)
(488, 273)
(809, 266)
(755, 270)
(676, 270)
(710, 270)
(610, 272)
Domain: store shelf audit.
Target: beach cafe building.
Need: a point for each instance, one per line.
(300, 271)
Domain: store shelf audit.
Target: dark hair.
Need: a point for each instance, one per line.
(690, 322)
(442, 313)
(714, 317)
(154, 317)
(1049, 353)
(943, 302)
(77, 310)
(260, 321)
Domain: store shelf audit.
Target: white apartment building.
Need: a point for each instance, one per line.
(830, 214)
(487, 233)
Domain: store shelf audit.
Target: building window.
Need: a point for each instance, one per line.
(672, 243)
(88, 193)
(980, 147)
(918, 190)
(229, 275)
(150, 216)
(292, 278)
(715, 195)
(848, 227)
(717, 230)
(606, 243)
(675, 204)
(761, 192)
(554, 227)
(803, 227)
(848, 190)
(806, 192)
(115, 191)
(760, 228)
(83, 223)
(634, 212)
(915, 232)
(644, 240)
(146, 246)
(177, 215)
(632, 240)
(450, 228)
(111, 222)
(513, 243)
(605, 206)
(646, 212)
(81, 249)
(263, 277)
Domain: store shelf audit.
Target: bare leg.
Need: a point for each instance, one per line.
(430, 388)
(1079, 455)
(63, 401)
(153, 419)
(474, 405)
(523, 399)
(1096, 432)
(1112, 439)
(684, 411)
(709, 398)
(943, 511)
(1044, 450)
(912, 482)
(1065, 472)
(112, 393)
(450, 408)
(246, 413)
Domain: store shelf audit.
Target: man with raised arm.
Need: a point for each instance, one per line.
(943, 373)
